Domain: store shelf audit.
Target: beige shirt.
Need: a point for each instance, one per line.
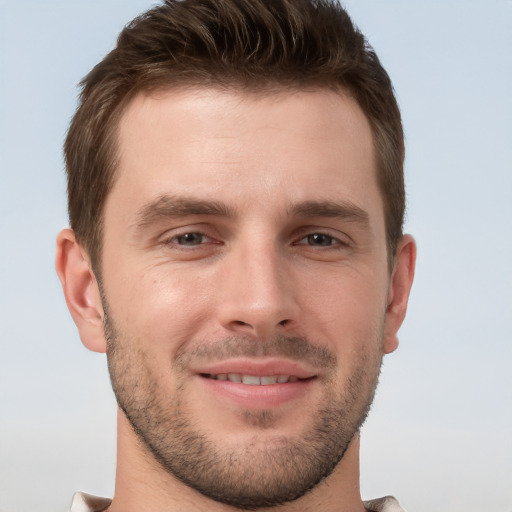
(86, 503)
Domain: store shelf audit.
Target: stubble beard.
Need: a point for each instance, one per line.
(264, 472)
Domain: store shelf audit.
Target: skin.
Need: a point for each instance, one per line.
(295, 248)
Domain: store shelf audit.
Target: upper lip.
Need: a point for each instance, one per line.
(259, 368)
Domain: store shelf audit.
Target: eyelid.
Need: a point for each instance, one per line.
(169, 237)
(336, 243)
(340, 239)
(174, 237)
(203, 238)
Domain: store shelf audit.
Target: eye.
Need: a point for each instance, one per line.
(185, 244)
(190, 239)
(319, 240)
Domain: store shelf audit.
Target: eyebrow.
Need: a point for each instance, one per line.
(345, 210)
(169, 206)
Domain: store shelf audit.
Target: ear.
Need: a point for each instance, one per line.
(81, 290)
(399, 289)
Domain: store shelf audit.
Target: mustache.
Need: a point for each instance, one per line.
(296, 348)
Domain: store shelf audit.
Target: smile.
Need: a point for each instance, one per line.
(261, 388)
(254, 380)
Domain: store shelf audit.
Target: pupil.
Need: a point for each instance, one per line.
(319, 239)
(190, 239)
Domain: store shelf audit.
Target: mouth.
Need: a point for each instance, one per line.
(255, 380)
(257, 384)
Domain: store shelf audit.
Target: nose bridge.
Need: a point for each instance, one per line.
(258, 296)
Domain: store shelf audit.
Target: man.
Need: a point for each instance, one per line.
(236, 197)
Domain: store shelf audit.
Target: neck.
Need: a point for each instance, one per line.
(142, 484)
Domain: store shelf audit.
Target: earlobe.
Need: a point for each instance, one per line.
(80, 290)
(399, 290)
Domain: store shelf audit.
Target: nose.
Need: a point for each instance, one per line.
(258, 295)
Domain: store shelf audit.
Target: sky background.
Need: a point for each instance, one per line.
(440, 432)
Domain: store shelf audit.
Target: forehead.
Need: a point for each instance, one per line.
(285, 146)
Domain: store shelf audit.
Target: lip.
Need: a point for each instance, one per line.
(256, 397)
(258, 368)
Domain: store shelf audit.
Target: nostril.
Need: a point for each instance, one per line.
(262, 328)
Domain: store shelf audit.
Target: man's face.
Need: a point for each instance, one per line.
(245, 286)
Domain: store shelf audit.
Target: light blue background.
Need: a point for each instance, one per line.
(439, 436)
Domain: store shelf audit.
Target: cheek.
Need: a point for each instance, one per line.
(348, 308)
(160, 304)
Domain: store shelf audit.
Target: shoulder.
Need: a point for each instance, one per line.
(83, 502)
(386, 504)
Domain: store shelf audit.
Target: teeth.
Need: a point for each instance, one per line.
(254, 380)
(268, 380)
(251, 380)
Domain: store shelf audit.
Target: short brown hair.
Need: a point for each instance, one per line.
(242, 44)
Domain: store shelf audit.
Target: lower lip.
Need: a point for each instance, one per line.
(258, 397)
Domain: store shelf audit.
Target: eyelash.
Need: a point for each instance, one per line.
(334, 242)
(174, 240)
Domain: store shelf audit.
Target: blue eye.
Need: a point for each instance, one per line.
(320, 240)
(190, 239)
